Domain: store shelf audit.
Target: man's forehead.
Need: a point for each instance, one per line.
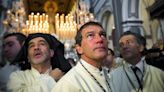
(10, 39)
(127, 37)
(92, 28)
(36, 39)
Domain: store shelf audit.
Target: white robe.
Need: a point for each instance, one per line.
(30, 81)
(79, 80)
(153, 80)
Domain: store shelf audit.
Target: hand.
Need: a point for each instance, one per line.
(56, 74)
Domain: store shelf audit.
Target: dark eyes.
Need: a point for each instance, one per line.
(39, 44)
(31, 45)
(42, 43)
(103, 34)
(92, 35)
(10, 44)
(128, 42)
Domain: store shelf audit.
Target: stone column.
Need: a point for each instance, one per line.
(130, 15)
(117, 5)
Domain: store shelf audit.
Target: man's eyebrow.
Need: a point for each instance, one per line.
(8, 42)
(43, 41)
(30, 43)
(90, 31)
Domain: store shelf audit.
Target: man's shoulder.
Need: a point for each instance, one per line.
(20, 73)
(72, 75)
(68, 83)
(154, 69)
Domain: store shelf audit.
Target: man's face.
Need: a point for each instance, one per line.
(39, 51)
(129, 48)
(93, 44)
(11, 47)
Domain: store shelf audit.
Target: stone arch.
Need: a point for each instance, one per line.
(103, 11)
(105, 19)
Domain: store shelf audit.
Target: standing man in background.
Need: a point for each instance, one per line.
(12, 43)
(135, 75)
(110, 61)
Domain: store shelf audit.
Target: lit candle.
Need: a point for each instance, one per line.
(44, 16)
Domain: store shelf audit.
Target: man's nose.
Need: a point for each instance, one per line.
(125, 45)
(99, 38)
(6, 48)
(36, 47)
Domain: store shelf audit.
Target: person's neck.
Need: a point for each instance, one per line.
(41, 68)
(95, 63)
(134, 61)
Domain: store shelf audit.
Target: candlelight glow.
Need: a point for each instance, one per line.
(37, 24)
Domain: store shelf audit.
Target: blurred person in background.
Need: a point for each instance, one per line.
(109, 61)
(12, 43)
(71, 61)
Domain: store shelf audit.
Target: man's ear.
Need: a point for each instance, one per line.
(78, 49)
(51, 52)
(141, 48)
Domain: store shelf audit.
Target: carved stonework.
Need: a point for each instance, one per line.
(133, 7)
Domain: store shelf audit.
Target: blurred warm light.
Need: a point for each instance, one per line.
(36, 24)
(66, 26)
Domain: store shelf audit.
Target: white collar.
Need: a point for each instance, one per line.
(36, 72)
(139, 65)
(89, 66)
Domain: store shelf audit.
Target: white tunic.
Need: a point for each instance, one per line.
(30, 81)
(153, 79)
(79, 80)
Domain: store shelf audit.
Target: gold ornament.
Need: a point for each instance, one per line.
(50, 7)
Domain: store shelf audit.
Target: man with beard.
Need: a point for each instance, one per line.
(44, 63)
(135, 75)
(88, 75)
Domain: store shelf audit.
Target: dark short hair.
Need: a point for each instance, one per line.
(78, 36)
(20, 37)
(139, 38)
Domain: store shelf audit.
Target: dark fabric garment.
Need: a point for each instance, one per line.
(135, 69)
(57, 61)
(157, 60)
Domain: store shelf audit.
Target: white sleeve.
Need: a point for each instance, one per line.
(65, 86)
